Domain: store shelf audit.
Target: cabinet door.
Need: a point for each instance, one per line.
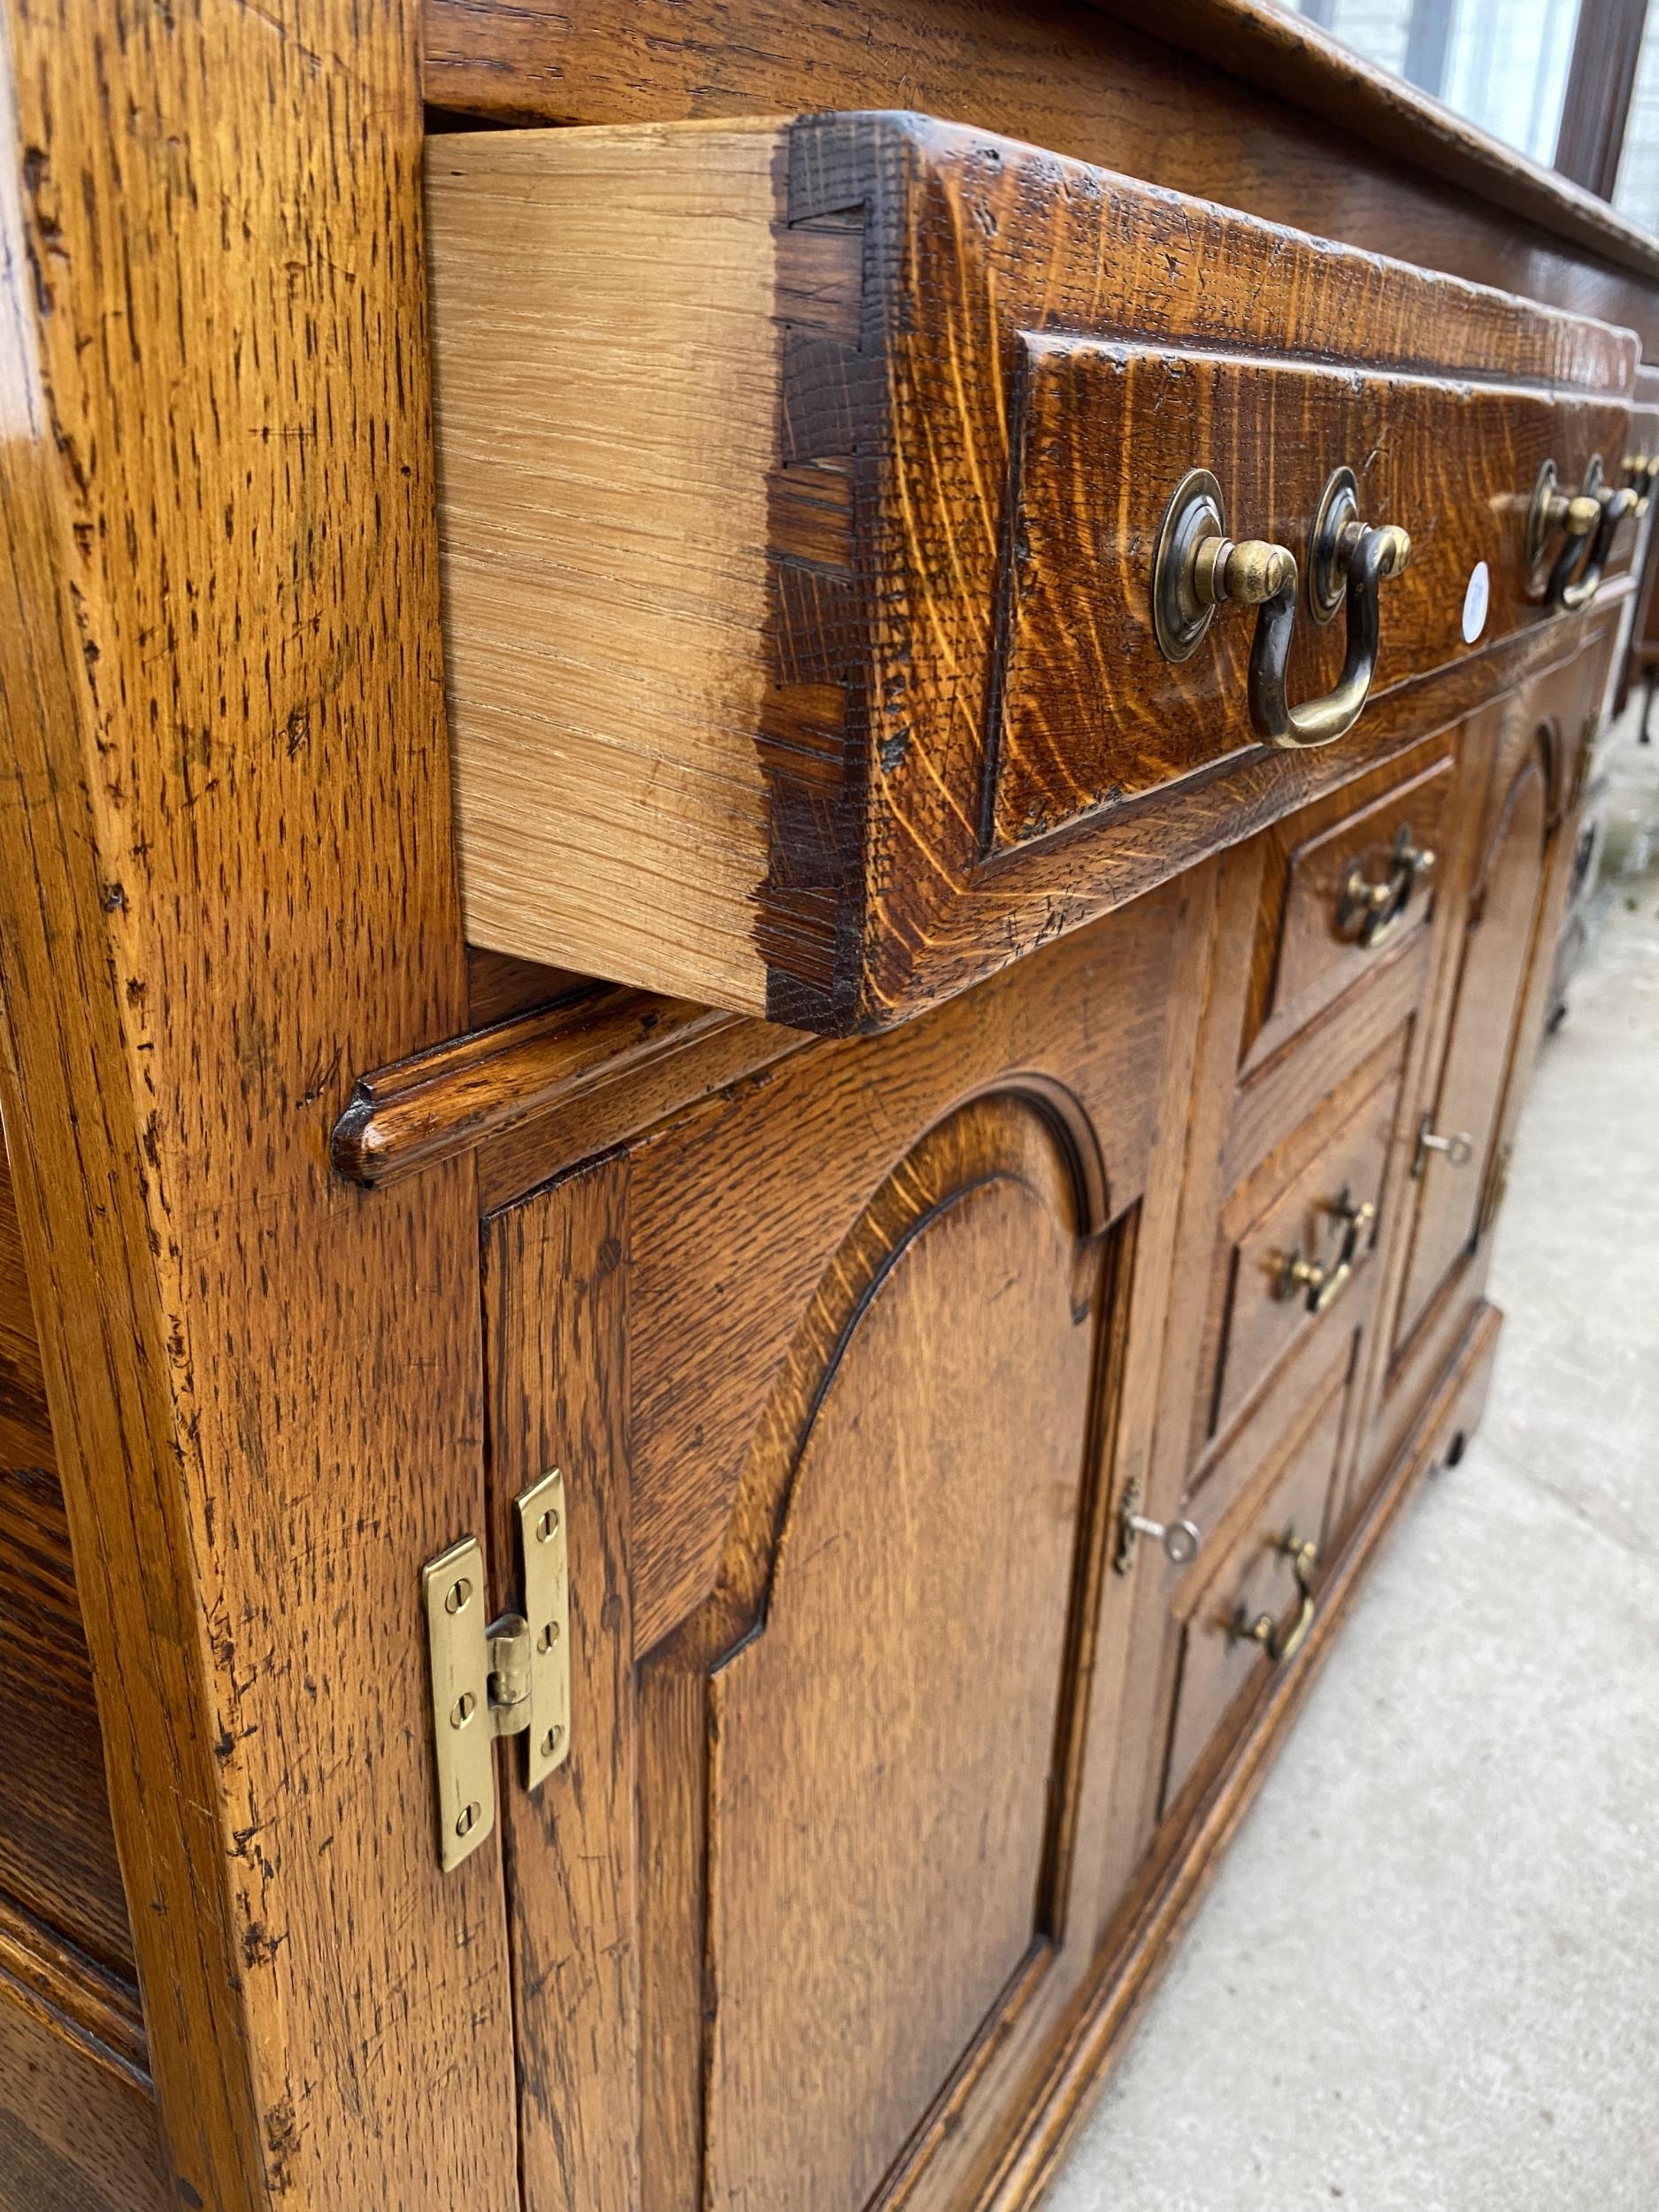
(1468, 1100)
(844, 1368)
(1461, 1142)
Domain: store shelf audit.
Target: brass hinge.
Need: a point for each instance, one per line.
(508, 1676)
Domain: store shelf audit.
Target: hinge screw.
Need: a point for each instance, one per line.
(466, 1705)
(549, 1637)
(468, 1816)
(457, 1595)
(547, 1527)
(551, 1741)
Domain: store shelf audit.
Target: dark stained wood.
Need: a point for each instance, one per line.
(883, 1746)
(1450, 1198)
(937, 1329)
(830, 844)
(1088, 711)
(1254, 110)
(486, 1084)
(56, 1849)
(1606, 48)
(1544, 724)
(227, 883)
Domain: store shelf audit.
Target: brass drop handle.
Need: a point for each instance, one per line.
(1591, 521)
(1303, 1554)
(1197, 568)
(1372, 913)
(1323, 1285)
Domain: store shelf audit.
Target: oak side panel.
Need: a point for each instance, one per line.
(557, 1338)
(228, 882)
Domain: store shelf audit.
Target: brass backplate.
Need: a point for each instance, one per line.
(452, 1586)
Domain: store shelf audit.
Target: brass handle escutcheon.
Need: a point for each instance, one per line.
(1197, 568)
(1372, 913)
(1591, 521)
(1325, 1285)
(1303, 1554)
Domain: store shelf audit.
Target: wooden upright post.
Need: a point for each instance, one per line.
(226, 884)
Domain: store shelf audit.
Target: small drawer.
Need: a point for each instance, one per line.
(1295, 1238)
(800, 495)
(1099, 705)
(1344, 882)
(1250, 1608)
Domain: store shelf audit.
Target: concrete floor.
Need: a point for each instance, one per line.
(1426, 1978)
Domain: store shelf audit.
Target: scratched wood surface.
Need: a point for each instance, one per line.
(810, 844)
(227, 884)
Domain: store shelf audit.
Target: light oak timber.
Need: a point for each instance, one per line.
(1244, 105)
(228, 882)
(825, 837)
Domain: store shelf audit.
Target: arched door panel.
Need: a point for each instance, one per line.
(890, 1675)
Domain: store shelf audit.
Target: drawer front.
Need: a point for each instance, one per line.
(1296, 1238)
(1093, 712)
(1346, 883)
(799, 490)
(1242, 1614)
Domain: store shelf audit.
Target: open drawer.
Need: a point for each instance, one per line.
(802, 489)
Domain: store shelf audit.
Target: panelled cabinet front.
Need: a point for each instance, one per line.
(963, 1431)
(864, 1341)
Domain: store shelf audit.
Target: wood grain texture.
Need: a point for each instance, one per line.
(790, 1159)
(866, 316)
(1284, 1211)
(883, 1747)
(1497, 955)
(1088, 711)
(57, 1848)
(79, 2129)
(640, 380)
(56, 1851)
(734, 1327)
(228, 881)
(1263, 115)
(1250, 1577)
(486, 1084)
(1305, 957)
(558, 1345)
